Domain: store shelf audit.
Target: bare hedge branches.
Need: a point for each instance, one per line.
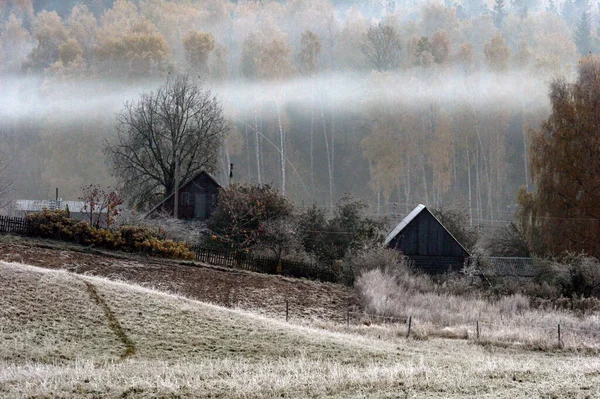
(179, 121)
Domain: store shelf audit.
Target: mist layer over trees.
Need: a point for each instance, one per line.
(399, 103)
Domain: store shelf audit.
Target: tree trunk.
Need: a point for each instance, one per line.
(406, 185)
(247, 152)
(281, 147)
(256, 141)
(176, 196)
(329, 167)
(312, 135)
(478, 186)
(424, 180)
(422, 158)
(486, 167)
(469, 178)
(525, 154)
(332, 186)
(227, 164)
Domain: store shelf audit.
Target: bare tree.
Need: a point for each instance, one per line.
(165, 138)
(382, 47)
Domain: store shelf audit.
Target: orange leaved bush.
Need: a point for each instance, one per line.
(58, 225)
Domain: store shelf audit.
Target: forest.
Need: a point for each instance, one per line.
(396, 102)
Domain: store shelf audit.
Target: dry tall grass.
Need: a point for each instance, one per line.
(508, 320)
(55, 341)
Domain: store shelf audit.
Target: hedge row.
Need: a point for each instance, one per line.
(58, 224)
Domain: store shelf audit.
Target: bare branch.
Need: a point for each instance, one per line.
(180, 121)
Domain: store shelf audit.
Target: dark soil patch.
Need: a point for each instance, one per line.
(229, 287)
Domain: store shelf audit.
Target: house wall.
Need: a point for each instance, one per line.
(431, 248)
(187, 198)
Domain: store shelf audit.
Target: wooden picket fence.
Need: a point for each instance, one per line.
(262, 264)
(15, 225)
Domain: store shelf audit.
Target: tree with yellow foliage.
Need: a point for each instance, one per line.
(496, 54)
(141, 52)
(565, 164)
(50, 32)
(198, 46)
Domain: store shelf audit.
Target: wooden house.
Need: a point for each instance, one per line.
(197, 199)
(429, 245)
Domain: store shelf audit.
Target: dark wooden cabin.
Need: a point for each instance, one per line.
(197, 199)
(430, 246)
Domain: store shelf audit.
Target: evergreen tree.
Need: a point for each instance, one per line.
(390, 7)
(522, 7)
(552, 7)
(471, 8)
(583, 34)
(598, 25)
(572, 9)
(499, 13)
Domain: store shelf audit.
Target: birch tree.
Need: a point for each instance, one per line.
(310, 49)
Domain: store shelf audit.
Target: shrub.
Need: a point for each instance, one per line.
(165, 248)
(574, 275)
(107, 239)
(242, 212)
(513, 304)
(133, 235)
(507, 241)
(83, 233)
(52, 224)
(457, 222)
(58, 225)
(348, 231)
(381, 275)
(174, 229)
(581, 277)
(377, 258)
(374, 287)
(395, 265)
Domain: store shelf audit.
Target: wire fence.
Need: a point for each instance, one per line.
(556, 334)
(509, 266)
(552, 335)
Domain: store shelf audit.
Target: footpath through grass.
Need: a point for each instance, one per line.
(65, 335)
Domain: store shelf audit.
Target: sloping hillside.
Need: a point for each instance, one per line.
(262, 293)
(68, 335)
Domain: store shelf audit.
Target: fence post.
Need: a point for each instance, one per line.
(409, 326)
(478, 330)
(560, 343)
(287, 310)
(348, 318)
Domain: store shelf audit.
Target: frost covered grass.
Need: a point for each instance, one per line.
(56, 341)
(508, 320)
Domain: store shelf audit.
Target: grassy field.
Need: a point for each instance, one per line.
(68, 335)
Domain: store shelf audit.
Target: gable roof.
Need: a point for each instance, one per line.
(409, 218)
(400, 226)
(180, 187)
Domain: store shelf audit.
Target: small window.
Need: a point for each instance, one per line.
(185, 199)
